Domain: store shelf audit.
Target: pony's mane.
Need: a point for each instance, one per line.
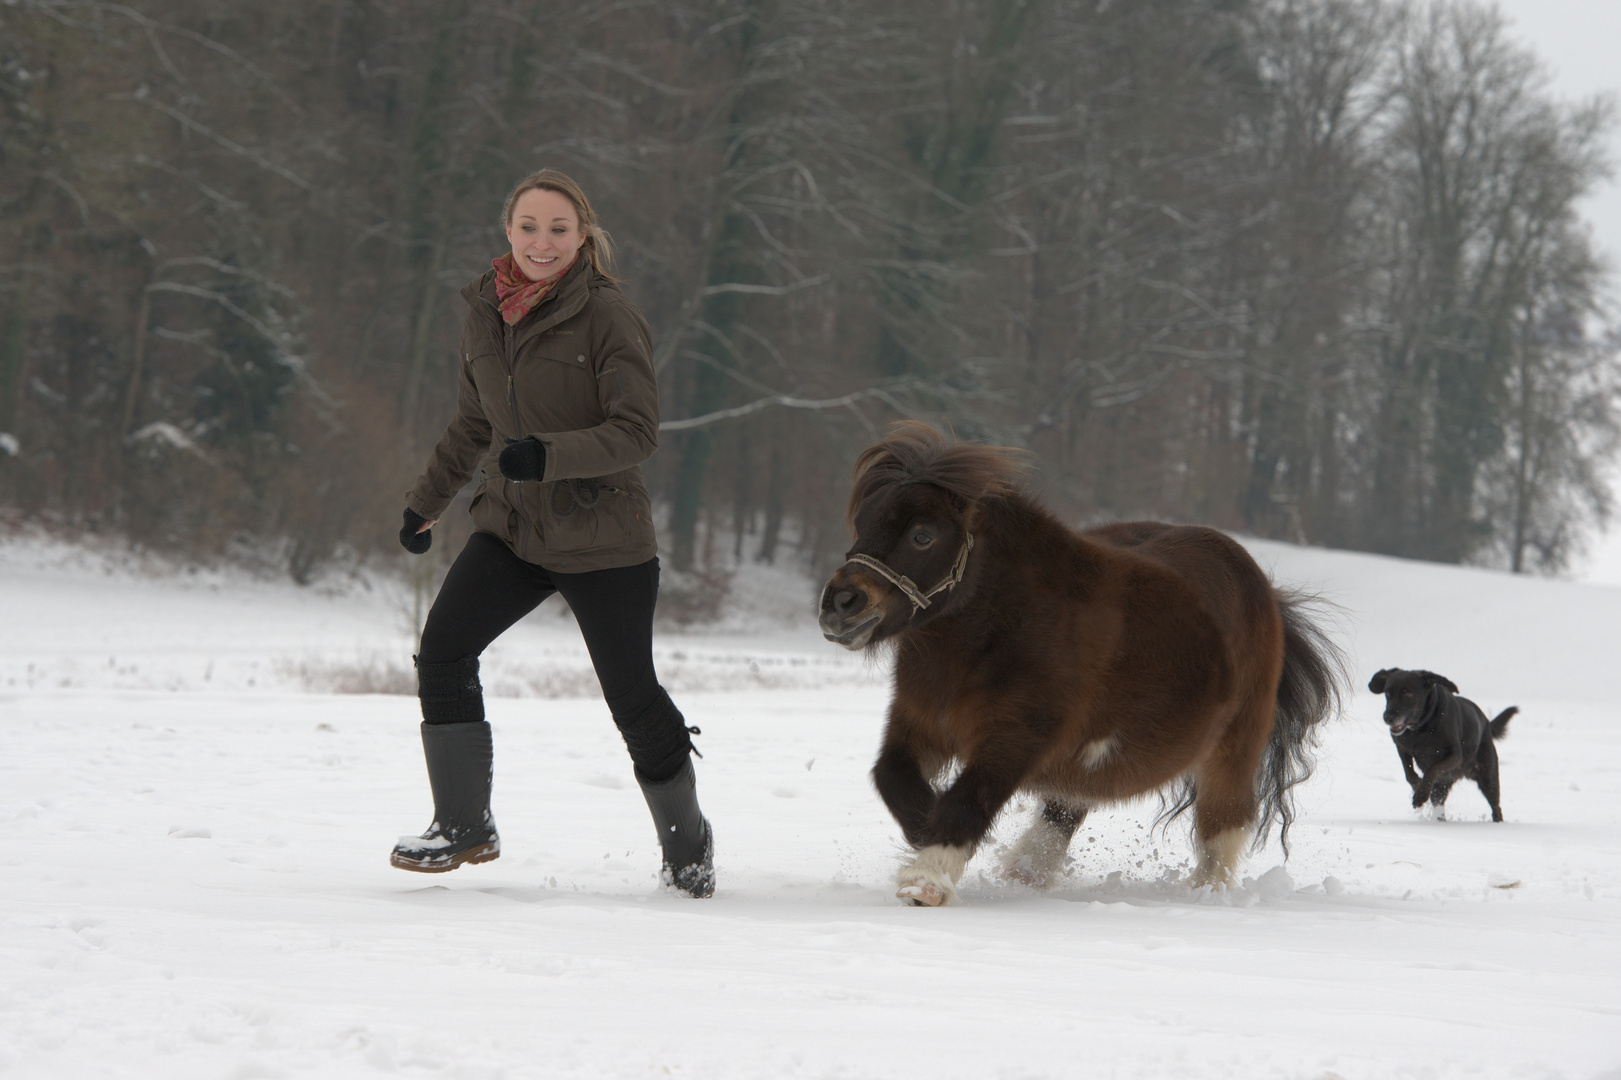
(915, 453)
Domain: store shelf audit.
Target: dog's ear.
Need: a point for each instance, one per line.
(1432, 679)
(1377, 683)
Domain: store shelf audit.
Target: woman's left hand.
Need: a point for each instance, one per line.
(523, 459)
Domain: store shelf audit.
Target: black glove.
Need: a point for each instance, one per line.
(523, 459)
(413, 541)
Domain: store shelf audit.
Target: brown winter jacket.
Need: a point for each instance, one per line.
(576, 373)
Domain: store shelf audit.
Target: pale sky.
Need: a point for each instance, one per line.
(1578, 40)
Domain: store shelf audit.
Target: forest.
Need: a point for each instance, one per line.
(1310, 270)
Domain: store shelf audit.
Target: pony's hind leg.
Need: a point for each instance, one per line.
(1037, 856)
(1220, 851)
(1225, 805)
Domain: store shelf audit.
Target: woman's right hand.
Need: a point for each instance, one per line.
(415, 536)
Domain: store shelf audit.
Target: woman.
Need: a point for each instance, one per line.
(557, 408)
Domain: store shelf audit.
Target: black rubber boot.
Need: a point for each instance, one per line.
(685, 837)
(456, 744)
(459, 760)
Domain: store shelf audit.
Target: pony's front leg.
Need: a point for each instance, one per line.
(961, 817)
(899, 778)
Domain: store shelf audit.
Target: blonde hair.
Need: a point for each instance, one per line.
(593, 237)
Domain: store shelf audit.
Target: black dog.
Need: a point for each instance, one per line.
(1446, 734)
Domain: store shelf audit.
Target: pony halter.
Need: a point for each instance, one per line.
(918, 597)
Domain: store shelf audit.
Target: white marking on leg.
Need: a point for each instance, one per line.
(1037, 857)
(930, 879)
(1098, 751)
(1219, 857)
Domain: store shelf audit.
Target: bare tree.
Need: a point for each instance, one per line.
(1562, 424)
(1482, 172)
(1307, 268)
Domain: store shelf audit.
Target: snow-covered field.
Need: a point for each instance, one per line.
(194, 878)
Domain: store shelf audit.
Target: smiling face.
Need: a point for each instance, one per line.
(544, 233)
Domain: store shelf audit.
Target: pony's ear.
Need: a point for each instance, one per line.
(1377, 683)
(1432, 679)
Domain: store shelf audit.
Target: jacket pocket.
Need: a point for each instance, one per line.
(586, 515)
(491, 514)
(489, 376)
(557, 390)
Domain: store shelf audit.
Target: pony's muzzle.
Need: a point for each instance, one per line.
(847, 602)
(847, 617)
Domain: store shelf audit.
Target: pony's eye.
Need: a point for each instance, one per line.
(922, 539)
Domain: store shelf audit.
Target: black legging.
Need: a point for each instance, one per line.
(489, 588)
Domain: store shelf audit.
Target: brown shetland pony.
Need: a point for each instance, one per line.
(1084, 667)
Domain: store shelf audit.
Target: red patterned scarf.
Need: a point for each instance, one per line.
(515, 294)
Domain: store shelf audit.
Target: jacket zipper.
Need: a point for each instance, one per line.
(517, 433)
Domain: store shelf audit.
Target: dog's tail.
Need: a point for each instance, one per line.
(1499, 724)
(1311, 691)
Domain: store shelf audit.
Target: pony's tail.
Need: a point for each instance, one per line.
(1311, 690)
(1499, 725)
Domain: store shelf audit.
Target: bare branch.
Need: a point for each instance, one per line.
(763, 290)
(881, 393)
(207, 133)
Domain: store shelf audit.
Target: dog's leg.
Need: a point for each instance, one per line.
(1442, 769)
(1407, 769)
(1487, 778)
(1438, 796)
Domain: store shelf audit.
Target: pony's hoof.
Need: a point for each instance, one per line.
(1213, 878)
(921, 893)
(1024, 871)
(930, 879)
(1219, 857)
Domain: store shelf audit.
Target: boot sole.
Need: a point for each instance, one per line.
(480, 854)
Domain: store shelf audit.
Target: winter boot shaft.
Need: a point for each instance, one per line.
(685, 837)
(460, 758)
(658, 738)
